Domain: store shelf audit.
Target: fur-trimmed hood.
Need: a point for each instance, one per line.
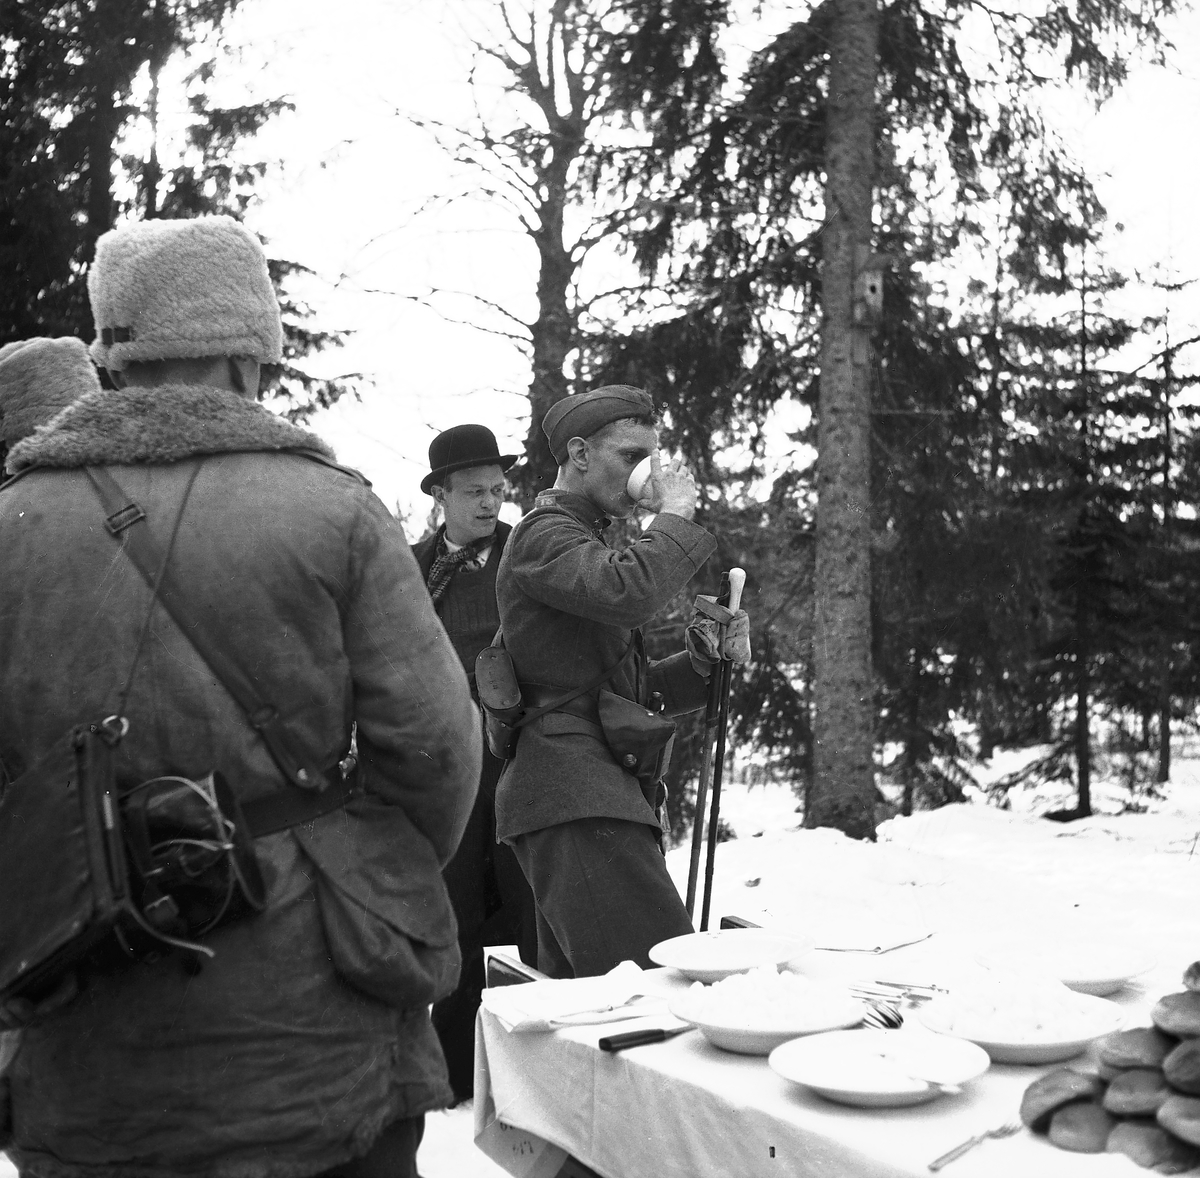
(154, 426)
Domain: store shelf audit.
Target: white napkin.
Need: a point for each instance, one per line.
(621, 993)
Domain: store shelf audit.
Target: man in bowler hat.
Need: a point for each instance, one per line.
(459, 561)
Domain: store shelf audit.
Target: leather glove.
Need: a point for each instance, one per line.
(702, 637)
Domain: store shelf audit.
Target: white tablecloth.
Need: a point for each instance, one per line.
(685, 1109)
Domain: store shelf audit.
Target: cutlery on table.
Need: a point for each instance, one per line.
(1006, 1130)
(882, 1015)
(638, 1038)
(632, 1007)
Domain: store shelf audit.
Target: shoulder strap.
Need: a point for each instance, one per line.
(122, 517)
(575, 692)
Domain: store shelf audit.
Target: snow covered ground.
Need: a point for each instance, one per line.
(1001, 883)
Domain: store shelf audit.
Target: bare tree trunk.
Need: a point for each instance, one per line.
(1083, 691)
(553, 331)
(843, 794)
(1164, 718)
(100, 134)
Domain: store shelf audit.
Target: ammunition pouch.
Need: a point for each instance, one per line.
(640, 740)
(500, 698)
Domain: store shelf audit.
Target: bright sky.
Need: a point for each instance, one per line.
(354, 203)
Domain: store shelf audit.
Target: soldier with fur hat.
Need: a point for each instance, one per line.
(38, 377)
(295, 1051)
(491, 899)
(580, 801)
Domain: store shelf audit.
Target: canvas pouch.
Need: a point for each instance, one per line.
(386, 913)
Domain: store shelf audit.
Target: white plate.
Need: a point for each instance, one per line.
(834, 1008)
(709, 957)
(1102, 975)
(872, 1069)
(1096, 1017)
(1083, 967)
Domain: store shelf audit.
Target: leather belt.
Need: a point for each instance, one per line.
(538, 695)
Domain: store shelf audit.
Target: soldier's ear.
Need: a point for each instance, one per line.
(577, 452)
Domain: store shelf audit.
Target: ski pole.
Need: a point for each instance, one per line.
(737, 582)
(711, 716)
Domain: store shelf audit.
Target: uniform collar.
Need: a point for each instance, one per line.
(580, 506)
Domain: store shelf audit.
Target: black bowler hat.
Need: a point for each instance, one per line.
(461, 447)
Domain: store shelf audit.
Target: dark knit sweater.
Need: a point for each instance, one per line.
(469, 612)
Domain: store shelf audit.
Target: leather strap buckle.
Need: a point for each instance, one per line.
(125, 518)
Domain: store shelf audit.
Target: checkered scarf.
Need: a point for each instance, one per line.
(446, 564)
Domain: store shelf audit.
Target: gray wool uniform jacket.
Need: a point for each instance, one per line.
(568, 607)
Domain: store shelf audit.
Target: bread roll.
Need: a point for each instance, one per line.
(1143, 1047)
(1182, 1067)
(1191, 976)
(1136, 1093)
(1181, 1115)
(1054, 1090)
(1178, 1014)
(1081, 1127)
(1151, 1146)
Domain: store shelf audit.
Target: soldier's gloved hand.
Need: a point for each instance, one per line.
(20, 1012)
(737, 639)
(703, 635)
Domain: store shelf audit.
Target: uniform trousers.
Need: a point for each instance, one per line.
(394, 1154)
(602, 893)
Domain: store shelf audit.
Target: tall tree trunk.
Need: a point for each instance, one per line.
(100, 134)
(553, 330)
(1083, 690)
(1164, 716)
(1168, 497)
(843, 793)
(912, 736)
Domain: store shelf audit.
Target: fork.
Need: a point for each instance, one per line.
(1005, 1130)
(882, 1015)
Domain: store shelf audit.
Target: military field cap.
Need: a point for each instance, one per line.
(39, 377)
(459, 448)
(583, 414)
(181, 290)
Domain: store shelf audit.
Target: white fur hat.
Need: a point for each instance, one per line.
(38, 377)
(173, 290)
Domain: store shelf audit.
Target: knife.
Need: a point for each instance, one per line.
(637, 1038)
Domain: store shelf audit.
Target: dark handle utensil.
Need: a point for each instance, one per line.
(638, 1038)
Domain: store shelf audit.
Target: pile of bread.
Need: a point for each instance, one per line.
(1144, 1101)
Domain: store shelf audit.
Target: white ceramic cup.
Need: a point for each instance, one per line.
(639, 479)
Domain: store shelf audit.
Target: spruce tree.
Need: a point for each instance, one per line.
(69, 74)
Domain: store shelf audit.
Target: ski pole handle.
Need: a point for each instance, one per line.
(737, 582)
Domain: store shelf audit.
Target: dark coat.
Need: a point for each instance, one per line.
(425, 550)
(266, 1064)
(473, 628)
(568, 606)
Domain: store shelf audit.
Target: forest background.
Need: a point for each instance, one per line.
(474, 208)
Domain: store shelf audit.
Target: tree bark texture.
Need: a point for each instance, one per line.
(1083, 693)
(843, 794)
(553, 332)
